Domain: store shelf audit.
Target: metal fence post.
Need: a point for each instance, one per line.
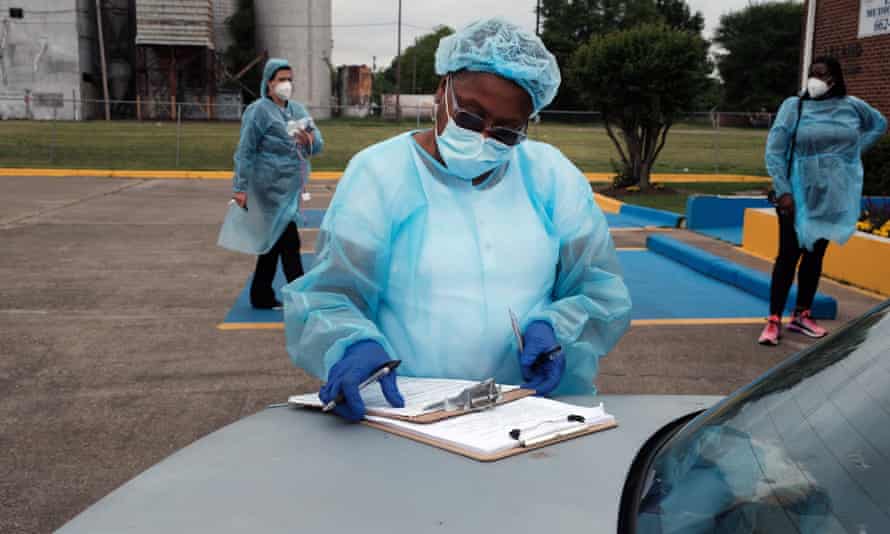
(178, 132)
(52, 139)
(717, 142)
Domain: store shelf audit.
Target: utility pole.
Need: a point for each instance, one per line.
(398, 66)
(102, 58)
(414, 70)
(538, 19)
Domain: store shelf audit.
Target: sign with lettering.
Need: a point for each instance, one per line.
(874, 18)
(48, 100)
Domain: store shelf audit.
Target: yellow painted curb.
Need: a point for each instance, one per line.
(146, 174)
(333, 175)
(848, 287)
(607, 204)
(683, 177)
(638, 322)
(697, 322)
(325, 175)
(250, 326)
(860, 262)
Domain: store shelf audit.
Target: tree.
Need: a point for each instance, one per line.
(242, 29)
(422, 57)
(566, 23)
(640, 80)
(759, 64)
(677, 15)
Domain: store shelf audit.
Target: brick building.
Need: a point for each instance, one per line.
(857, 33)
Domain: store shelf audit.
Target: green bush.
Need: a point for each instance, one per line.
(877, 169)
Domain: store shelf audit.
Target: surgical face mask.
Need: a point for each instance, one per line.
(816, 87)
(466, 153)
(283, 90)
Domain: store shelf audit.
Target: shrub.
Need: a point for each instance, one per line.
(877, 169)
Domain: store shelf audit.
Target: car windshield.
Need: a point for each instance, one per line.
(806, 448)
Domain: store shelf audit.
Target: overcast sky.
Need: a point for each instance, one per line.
(364, 29)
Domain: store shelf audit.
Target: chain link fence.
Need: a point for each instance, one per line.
(181, 136)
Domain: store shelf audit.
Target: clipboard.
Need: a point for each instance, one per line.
(563, 436)
(509, 430)
(441, 415)
(485, 402)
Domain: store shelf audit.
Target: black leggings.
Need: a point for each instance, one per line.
(288, 248)
(786, 263)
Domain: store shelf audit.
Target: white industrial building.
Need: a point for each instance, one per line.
(50, 63)
(47, 66)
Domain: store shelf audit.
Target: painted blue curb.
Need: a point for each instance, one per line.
(651, 216)
(243, 312)
(753, 281)
(708, 211)
(876, 203)
(312, 218)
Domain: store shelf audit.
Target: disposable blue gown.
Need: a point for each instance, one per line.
(429, 266)
(271, 168)
(826, 175)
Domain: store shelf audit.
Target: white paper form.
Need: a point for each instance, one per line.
(488, 432)
(417, 392)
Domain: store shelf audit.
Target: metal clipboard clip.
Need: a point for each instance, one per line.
(481, 396)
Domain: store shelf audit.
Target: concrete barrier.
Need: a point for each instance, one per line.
(721, 217)
(652, 216)
(747, 279)
(863, 261)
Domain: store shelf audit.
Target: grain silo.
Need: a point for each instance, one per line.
(301, 32)
(222, 10)
(47, 51)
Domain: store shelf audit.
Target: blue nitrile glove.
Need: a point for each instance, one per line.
(541, 374)
(357, 364)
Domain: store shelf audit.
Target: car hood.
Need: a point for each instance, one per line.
(285, 471)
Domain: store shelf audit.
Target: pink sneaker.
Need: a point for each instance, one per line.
(772, 331)
(803, 323)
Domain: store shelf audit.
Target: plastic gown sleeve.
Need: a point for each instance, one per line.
(317, 142)
(778, 143)
(317, 139)
(873, 125)
(334, 305)
(591, 304)
(245, 154)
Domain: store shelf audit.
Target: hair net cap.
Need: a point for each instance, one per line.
(499, 47)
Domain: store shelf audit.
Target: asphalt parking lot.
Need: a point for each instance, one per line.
(110, 358)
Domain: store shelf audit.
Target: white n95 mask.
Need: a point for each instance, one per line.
(283, 90)
(816, 87)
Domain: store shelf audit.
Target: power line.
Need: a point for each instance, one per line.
(28, 11)
(301, 26)
(364, 25)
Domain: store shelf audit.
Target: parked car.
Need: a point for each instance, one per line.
(805, 448)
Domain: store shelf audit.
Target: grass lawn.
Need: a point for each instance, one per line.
(693, 148)
(676, 202)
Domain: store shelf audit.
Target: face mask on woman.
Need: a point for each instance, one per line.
(283, 90)
(816, 87)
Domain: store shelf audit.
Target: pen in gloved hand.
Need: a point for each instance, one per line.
(550, 354)
(381, 371)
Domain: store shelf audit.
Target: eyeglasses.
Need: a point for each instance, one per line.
(470, 121)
